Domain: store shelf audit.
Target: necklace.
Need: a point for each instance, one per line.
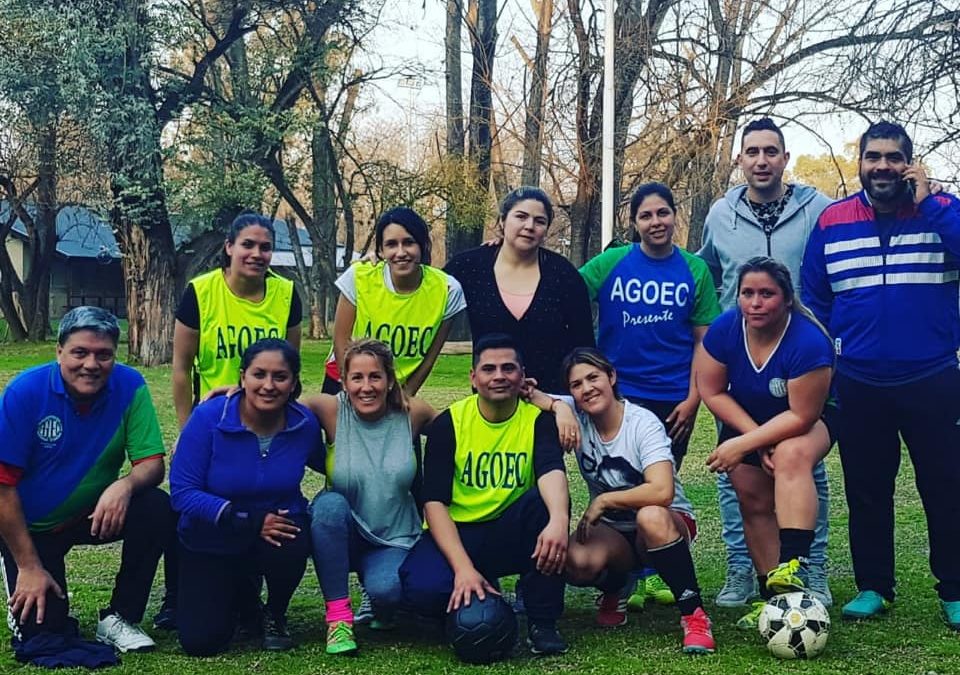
(768, 213)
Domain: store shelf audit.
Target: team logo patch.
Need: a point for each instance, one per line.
(778, 387)
(50, 429)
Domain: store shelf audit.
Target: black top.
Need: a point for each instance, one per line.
(557, 321)
(188, 312)
(439, 466)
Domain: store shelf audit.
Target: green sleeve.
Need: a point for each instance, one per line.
(597, 269)
(143, 430)
(706, 307)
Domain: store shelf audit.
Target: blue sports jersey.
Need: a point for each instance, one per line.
(68, 458)
(762, 392)
(648, 310)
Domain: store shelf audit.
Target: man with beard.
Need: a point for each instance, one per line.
(764, 216)
(880, 271)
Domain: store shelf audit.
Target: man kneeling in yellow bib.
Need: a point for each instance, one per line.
(496, 500)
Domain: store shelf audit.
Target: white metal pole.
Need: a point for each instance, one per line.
(609, 37)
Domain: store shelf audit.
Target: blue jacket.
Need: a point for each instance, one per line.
(732, 235)
(887, 292)
(218, 462)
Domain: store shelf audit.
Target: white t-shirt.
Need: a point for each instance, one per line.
(347, 285)
(618, 464)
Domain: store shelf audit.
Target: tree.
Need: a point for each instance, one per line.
(833, 175)
(689, 73)
(533, 127)
(31, 84)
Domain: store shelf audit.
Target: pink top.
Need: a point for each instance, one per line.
(516, 303)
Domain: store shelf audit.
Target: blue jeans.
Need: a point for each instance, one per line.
(339, 548)
(732, 521)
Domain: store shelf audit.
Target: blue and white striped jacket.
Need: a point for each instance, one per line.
(887, 291)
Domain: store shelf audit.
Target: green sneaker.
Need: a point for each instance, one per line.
(658, 590)
(867, 605)
(951, 613)
(340, 638)
(637, 600)
(787, 577)
(750, 620)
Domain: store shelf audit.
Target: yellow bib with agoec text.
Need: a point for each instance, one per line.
(405, 322)
(228, 325)
(493, 465)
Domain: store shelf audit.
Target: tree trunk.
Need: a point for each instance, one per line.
(483, 41)
(11, 287)
(533, 126)
(458, 236)
(324, 231)
(149, 270)
(636, 31)
(44, 244)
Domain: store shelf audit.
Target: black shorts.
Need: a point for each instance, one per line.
(830, 418)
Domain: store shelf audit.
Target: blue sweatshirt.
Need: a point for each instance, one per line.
(218, 462)
(887, 288)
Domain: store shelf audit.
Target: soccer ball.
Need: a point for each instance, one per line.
(795, 625)
(483, 631)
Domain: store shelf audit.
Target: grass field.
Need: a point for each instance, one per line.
(911, 640)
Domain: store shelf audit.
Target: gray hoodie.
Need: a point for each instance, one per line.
(732, 235)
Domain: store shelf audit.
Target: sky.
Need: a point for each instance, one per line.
(411, 32)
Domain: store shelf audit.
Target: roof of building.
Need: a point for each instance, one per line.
(82, 233)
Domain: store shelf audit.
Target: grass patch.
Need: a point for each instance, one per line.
(911, 640)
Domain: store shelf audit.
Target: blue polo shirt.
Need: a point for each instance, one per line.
(68, 458)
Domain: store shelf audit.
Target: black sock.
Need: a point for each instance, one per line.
(104, 613)
(795, 543)
(610, 582)
(765, 592)
(675, 566)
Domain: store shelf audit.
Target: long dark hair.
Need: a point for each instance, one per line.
(290, 356)
(241, 222)
(641, 193)
(409, 220)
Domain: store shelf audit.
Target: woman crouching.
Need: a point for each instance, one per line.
(235, 480)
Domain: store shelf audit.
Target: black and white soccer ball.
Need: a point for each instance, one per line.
(795, 625)
(483, 631)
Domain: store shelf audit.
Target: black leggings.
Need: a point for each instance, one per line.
(147, 526)
(212, 587)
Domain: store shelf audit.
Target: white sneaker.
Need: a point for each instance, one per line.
(114, 630)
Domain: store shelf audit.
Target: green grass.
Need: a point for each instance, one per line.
(911, 640)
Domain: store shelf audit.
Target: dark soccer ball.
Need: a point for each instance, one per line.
(483, 631)
(795, 625)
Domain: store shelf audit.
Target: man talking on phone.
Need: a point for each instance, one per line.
(880, 272)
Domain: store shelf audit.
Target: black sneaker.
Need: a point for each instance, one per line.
(545, 640)
(276, 638)
(250, 622)
(166, 618)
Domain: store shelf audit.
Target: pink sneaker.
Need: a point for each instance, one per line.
(612, 610)
(697, 633)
